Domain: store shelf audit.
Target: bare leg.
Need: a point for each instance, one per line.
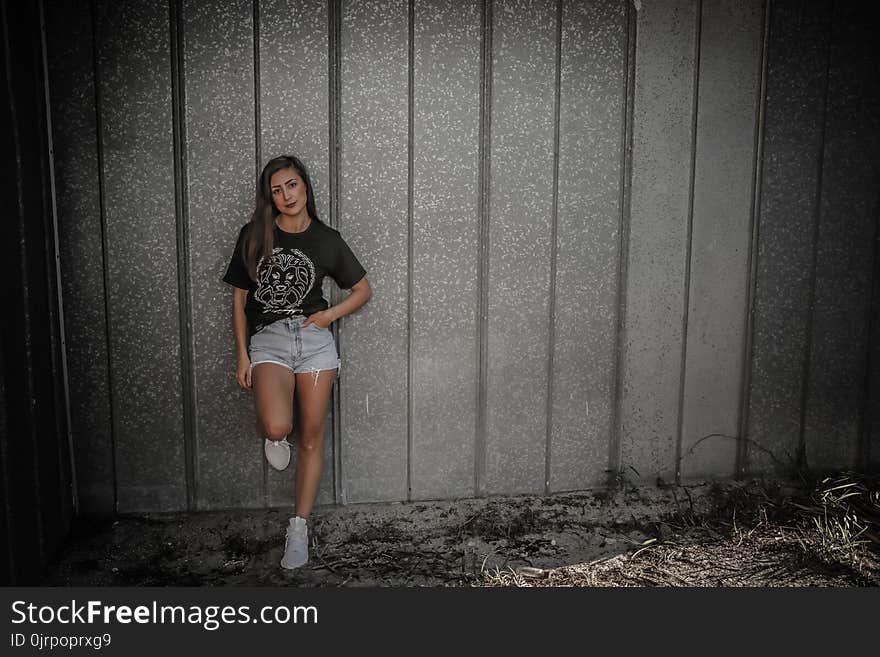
(273, 387)
(313, 395)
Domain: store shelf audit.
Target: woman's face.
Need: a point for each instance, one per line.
(288, 192)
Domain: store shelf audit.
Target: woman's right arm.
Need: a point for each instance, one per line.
(239, 328)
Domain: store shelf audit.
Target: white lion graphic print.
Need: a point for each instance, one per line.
(284, 281)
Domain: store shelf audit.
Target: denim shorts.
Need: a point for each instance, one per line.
(288, 343)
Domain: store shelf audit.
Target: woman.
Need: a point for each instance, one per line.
(281, 324)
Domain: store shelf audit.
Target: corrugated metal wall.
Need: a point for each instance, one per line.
(37, 496)
(593, 248)
(814, 390)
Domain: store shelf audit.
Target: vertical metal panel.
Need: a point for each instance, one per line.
(334, 101)
(742, 447)
(67, 501)
(293, 88)
(142, 254)
(372, 219)
(523, 91)
(33, 472)
(592, 100)
(182, 230)
(445, 250)
(24, 539)
(293, 103)
(730, 59)
(661, 161)
(219, 104)
(70, 50)
(795, 91)
(849, 202)
(483, 185)
(294, 115)
(49, 402)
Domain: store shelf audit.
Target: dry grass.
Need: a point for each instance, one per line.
(825, 533)
(754, 533)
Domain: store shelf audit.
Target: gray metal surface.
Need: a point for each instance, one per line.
(294, 115)
(728, 98)
(219, 111)
(401, 86)
(70, 61)
(661, 162)
(294, 101)
(794, 116)
(591, 114)
(141, 260)
(445, 249)
(850, 198)
(35, 464)
(520, 216)
(61, 475)
(373, 220)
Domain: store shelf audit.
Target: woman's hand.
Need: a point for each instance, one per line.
(322, 319)
(243, 373)
(360, 294)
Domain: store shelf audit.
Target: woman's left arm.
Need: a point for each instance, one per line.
(360, 294)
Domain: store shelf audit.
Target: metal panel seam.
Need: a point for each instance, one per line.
(57, 255)
(484, 187)
(258, 160)
(689, 240)
(742, 448)
(554, 229)
(626, 146)
(334, 40)
(409, 242)
(258, 151)
(26, 295)
(181, 202)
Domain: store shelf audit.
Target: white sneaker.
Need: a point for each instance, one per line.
(296, 544)
(277, 453)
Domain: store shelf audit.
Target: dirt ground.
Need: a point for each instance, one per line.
(704, 534)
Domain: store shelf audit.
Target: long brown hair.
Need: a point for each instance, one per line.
(259, 240)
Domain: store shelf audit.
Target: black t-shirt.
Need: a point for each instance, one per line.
(290, 283)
